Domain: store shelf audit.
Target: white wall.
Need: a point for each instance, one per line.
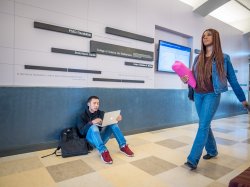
(169, 80)
(21, 43)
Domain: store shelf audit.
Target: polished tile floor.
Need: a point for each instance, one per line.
(158, 161)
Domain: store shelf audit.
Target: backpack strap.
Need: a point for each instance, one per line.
(54, 153)
(58, 148)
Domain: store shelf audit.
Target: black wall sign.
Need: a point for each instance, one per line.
(121, 51)
(62, 29)
(139, 64)
(72, 52)
(83, 71)
(46, 68)
(118, 80)
(130, 35)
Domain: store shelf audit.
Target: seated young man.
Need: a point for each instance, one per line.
(98, 136)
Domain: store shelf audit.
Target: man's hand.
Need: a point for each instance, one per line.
(119, 118)
(97, 121)
(185, 79)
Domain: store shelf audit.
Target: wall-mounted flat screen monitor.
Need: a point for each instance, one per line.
(168, 53)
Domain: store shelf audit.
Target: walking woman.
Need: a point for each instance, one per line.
(212, 69)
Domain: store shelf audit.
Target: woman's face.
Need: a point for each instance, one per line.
(207, 38)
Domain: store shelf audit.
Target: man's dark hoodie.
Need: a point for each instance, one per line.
(85, 120)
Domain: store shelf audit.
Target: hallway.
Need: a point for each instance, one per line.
(158, 161)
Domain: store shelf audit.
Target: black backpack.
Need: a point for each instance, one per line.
(71, 144)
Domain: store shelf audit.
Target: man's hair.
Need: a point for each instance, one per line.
(92, 97)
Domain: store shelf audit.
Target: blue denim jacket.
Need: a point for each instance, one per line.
(221, 86)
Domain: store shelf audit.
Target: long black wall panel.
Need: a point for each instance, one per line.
(31, 118)
(65, 30)
(126, 34)
(72, 52)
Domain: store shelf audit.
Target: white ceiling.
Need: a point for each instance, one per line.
(233, 12)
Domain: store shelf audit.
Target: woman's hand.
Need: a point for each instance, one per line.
(245, 104)
(185, 79)
(119, 118)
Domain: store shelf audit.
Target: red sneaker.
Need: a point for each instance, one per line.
(105, 156)
(125, 150)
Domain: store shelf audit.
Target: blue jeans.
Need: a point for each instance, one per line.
(206, 106)
(98, 139)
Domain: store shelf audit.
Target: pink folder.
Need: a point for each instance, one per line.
(183, 70)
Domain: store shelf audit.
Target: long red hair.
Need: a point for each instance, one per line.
(204, 74)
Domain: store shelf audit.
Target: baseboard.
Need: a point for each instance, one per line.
(54, 144)
(28, 148)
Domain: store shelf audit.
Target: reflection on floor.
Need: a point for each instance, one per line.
(158, 161)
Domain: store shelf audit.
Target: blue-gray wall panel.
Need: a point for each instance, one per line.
(31, 118)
